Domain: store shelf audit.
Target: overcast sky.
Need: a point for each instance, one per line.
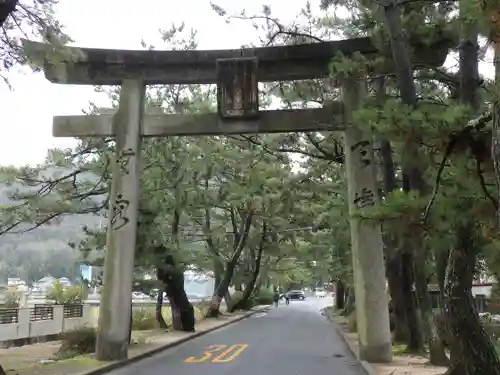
(26, 127)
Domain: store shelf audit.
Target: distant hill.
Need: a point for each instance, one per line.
(53, 237)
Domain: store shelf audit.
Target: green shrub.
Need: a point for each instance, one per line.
(143, 319)
(74, 294)
(77, 341)
(264, 297)
(12, 298)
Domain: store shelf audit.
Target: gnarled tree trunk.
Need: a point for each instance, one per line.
(182, 310)
(350, 303)
(398, 313)
(340, 295)
(391, 252)
(437, 355)
(240, 238)
(158, 311)
(471, 343)
(221, 290)
(415, 338)
(172, 277)
(262, 276)
(250, 285)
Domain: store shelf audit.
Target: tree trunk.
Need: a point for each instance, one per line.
(441, 256)
(242, 303)
(221, 291)
(173, 280)
(218, 272)
(471, 343)
(398, 313)
(249, 287)
(340, 296)
(241, 232)
(437, 355)
(350, 303)
(391, 252)
(262, 277)
(159, 315)
(415, 339)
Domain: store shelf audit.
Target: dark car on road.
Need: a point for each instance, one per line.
(296, 295)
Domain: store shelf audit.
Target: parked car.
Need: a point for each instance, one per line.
(296, 295)
(320, 293)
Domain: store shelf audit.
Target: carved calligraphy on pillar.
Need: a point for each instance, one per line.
(361, 149)
(120, 219)
(364, 198)
(124, 157)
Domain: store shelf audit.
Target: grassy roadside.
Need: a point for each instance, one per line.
(347, 324)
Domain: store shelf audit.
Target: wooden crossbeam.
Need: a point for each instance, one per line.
(279, 121)
(281, 63)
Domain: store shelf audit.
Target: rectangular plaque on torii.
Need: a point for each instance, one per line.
(237, 88)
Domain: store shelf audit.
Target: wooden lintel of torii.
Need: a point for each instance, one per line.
(328, 118)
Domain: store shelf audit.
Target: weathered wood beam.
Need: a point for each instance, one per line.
(280, 63)
(280, 121)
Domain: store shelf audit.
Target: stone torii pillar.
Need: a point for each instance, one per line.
(116, 301)
(372, 313)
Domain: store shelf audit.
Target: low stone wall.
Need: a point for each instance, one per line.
(40, 323)
(45, 322)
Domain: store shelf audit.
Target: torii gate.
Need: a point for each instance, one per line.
(237, 73)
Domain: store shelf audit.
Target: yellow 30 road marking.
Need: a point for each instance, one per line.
(218, 354)
(230, 353)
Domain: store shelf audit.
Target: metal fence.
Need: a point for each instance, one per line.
(73, 311)
(9, 316)
(41, 312)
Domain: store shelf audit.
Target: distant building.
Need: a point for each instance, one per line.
(46, 283)
(15, 281)
(86, 272)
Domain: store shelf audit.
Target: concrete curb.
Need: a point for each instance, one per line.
(354, 351)
(116, 365)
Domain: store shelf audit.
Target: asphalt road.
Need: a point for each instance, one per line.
(287, 340)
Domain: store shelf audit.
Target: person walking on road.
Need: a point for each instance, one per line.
(276, 297)
(287, 299)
